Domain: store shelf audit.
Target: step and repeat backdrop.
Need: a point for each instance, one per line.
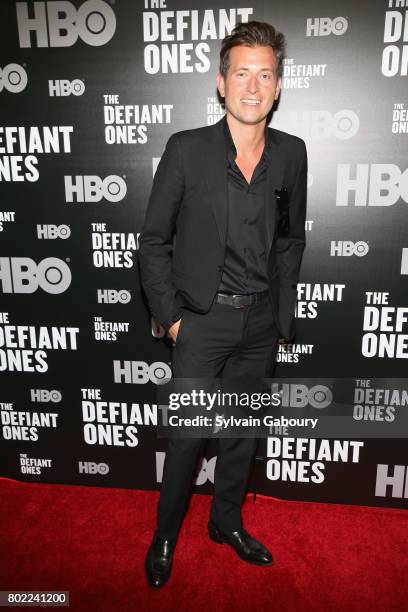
(90, 91)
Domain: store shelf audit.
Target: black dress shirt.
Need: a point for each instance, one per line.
(245, 256)
(244, 269)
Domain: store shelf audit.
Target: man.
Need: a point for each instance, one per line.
(220, 253)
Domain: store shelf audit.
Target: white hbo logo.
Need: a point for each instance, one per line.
(43, 395)
(206, 471)
(346, 248)
(24, 275)
(52, 232)
(90, 467)
(59, 24)
(299, 396)
(158, 372)
(64, 87)
(324, 26)
(322, 124)
(343, 125)
(13, 78)
(92, 188)
(371, 184)
(113, 296)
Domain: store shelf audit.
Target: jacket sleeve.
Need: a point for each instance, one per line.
(289, 248)
(156, 239)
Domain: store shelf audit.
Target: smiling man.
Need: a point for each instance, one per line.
(234, 195)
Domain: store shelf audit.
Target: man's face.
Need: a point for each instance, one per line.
(251, 85)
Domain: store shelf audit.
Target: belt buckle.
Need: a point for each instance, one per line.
(243, 306)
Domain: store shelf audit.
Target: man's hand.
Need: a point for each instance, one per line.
(173, 330)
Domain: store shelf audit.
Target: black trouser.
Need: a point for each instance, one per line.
(226, 342)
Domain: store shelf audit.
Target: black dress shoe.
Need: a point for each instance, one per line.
(246, 547)
(158, 561)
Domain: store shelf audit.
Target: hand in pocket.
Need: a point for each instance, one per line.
(174, 330)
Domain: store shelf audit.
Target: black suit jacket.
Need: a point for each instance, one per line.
(182, 243)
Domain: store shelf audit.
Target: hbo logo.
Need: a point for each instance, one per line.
(58, 24)
(52, 232)
(346, 248)
(43, 395)
(13, 77)
(23, 275)
(371, 184)
(112, 296)
(320, 125)
(324, 26)
(299, 396)
(93, 188)
(66, 88)
(206, 471)
(89, 467)
(158, 372)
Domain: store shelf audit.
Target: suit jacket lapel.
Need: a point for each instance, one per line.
(216, 178)
(274, 178)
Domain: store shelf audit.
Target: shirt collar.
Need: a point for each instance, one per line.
(231, 149)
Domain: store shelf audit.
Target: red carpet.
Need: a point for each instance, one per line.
(92, 542)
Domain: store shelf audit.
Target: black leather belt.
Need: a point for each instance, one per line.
(239, 300)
